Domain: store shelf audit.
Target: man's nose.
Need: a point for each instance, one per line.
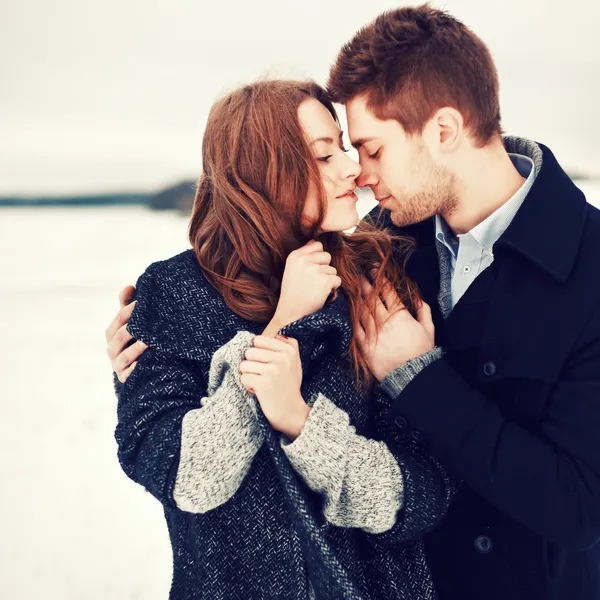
(366, 179)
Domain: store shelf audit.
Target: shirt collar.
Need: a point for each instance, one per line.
(445, 236)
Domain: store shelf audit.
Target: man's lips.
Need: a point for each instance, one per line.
(383, 199)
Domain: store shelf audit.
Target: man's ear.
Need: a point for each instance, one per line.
(444, 130)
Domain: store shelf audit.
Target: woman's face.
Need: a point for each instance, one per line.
(338, 170)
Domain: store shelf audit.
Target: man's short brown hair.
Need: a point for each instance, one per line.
(412, 61)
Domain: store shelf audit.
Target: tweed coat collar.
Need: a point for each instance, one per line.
(195, 321)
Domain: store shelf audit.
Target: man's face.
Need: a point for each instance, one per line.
(398, 168)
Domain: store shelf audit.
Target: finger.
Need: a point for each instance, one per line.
(418, 301)
(312, 246)
(127, 372)
(253, 367)
(128, 356)
(269, 343)
(373, 273)
(381, 313)
(292, 344)
(320, 258)
(327, 269)
(119, 342)
(120, 319)
(368, 323)
(365, 286)
(424, 317)
(260, 355)
(290, 341)
(250, 382)
(390, 297)
(336, 282)
(361, 336)
(126, 295)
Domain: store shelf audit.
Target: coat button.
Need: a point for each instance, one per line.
(417, 436)
(483, 544)
(401, 422)
(490, 368)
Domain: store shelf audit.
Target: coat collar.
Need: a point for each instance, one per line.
(548, 228)
(179, 313)
(330, 326)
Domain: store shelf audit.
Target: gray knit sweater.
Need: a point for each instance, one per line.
(359, 478)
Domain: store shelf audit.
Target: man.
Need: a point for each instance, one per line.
(508, 395)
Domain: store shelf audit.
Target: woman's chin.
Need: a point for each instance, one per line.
(344, 222)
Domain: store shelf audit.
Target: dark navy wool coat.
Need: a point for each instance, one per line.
(270, 538)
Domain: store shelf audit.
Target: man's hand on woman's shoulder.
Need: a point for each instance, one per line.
(122, 350)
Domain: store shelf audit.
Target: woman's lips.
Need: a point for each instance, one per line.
(351, 195)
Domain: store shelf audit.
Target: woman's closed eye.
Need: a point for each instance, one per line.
(376, 154)
(324, 158)
(328, 156)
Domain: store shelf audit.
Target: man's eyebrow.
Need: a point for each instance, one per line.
(327, 140)
(361, 141)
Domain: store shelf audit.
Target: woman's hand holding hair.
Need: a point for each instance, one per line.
(308, 280)
(273, 372)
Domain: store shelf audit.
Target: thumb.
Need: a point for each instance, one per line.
(425, 319)
(126, 295)
(336, 282)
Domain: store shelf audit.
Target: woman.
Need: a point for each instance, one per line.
(237, 417)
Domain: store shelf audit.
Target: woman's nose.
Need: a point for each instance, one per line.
(353, 170)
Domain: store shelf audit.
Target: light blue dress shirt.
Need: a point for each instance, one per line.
(471, 252)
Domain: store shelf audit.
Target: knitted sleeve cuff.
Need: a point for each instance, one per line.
(219, 440)
(394, 383)
(318, 453)
(359, 477)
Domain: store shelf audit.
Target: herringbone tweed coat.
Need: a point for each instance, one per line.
(270, 539)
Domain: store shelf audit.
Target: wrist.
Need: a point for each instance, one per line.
(277, 322)
(397, 380)
(296, 420)
(415, 355)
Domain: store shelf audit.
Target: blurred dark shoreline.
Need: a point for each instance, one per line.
(92, 200)
(176, 197)
(179, 197)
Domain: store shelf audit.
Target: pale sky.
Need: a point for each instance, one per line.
(113, 95)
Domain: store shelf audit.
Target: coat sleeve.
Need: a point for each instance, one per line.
(549, 480)
(188, 441)
(428, 487)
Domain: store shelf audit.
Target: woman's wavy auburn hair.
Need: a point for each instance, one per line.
(257, 168)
